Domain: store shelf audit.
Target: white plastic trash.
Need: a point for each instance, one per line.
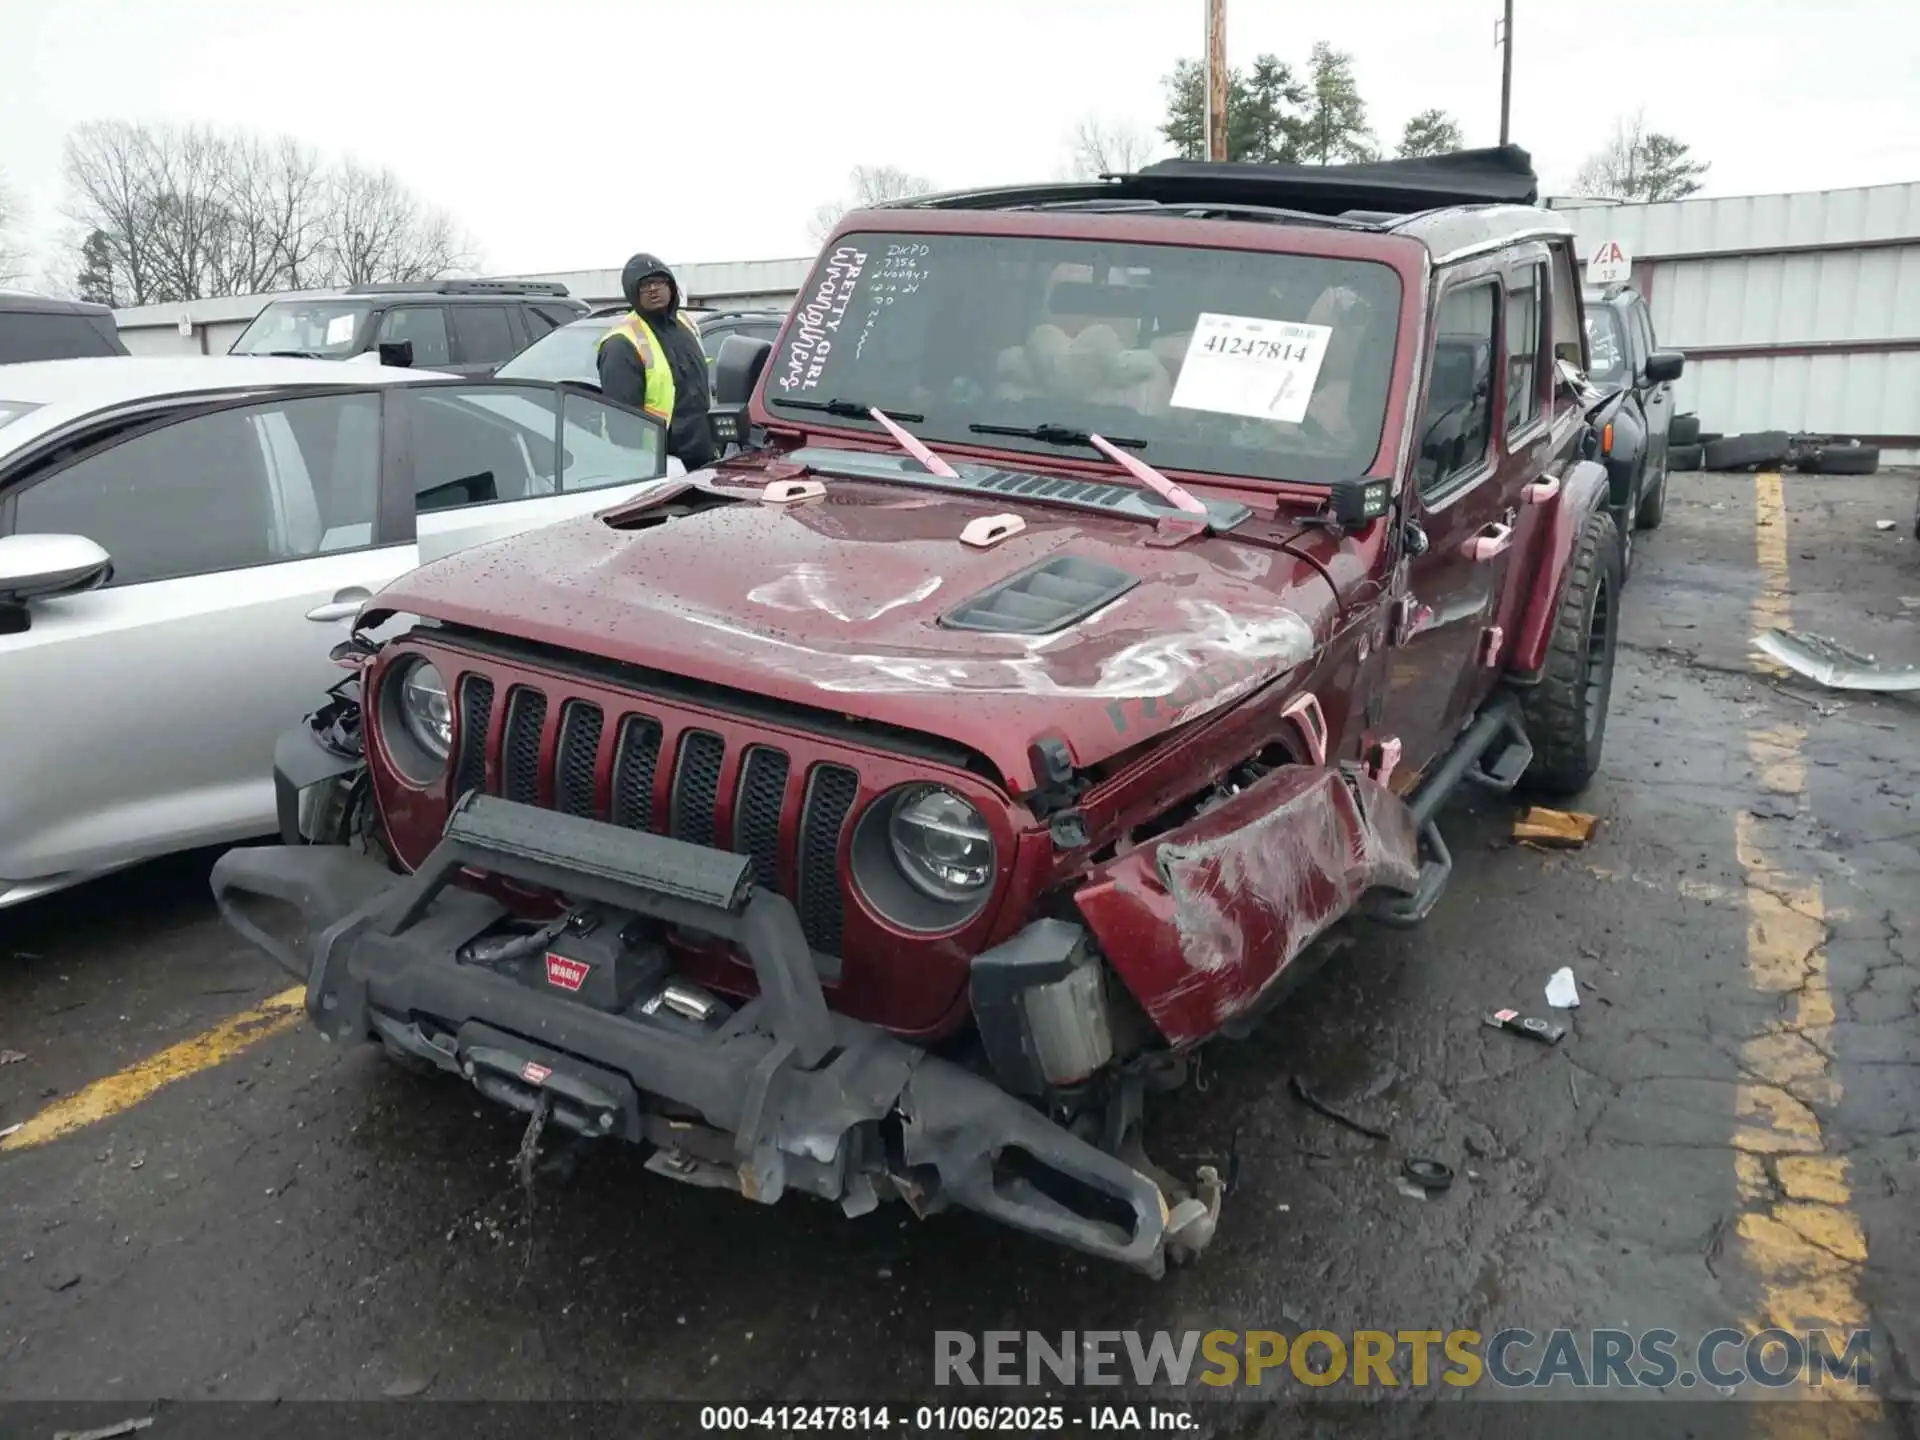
(1562, 992)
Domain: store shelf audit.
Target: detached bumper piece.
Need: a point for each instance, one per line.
(778, 1094)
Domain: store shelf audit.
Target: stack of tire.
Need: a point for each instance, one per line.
(1691, 448)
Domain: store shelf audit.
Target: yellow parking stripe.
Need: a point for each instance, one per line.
(122, 1091)
(1798, 1234)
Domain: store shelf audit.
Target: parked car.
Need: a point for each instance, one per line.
(39, 327)
(1626, 357)
(1119, 578)
(183, 540)
(570, 353)
(457, 327)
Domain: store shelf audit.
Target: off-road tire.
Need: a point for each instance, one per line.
(1566, 711)
(1684, 457)
(1762, 450)
(1841, 460)
(1684, 430)
(1653, 498)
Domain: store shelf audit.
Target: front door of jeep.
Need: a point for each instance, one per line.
(484, 460)
(1459, 523)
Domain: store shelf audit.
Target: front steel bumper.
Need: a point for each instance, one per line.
(783, 1095)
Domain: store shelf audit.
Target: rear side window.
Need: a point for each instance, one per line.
(425, 326)
(537, 324)
(1458, 420)
(1565, 309)
(483, 334)
(37, 335)
(1523, 347)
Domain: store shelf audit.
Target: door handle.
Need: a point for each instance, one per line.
(344, 605)
(1541, 490)
(1490, 542)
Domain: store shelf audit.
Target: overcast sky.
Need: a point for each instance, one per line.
(565, 134)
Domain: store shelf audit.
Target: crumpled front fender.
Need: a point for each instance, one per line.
(1199, 922)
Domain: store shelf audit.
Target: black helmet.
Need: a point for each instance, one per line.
(639, 270)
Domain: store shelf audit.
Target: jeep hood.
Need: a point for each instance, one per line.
(837, 603)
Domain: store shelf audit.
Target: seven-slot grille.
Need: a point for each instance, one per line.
(640, 745)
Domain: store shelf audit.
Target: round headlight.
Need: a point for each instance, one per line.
(425, 709)
(941, 844)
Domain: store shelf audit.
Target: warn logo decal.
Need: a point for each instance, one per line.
(534, 1073)
(565, 974)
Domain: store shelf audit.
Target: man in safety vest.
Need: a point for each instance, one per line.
(652, 360)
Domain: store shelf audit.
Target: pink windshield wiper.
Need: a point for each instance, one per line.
(1172, 492)
(912, 445)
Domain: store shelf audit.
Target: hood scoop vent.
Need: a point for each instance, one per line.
(1043, 598)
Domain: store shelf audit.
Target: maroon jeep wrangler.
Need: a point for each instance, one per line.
(1107, 585)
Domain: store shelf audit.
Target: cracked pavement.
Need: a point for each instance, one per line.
(1740, 1091)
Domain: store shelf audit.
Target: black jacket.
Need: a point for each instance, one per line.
(623, 379)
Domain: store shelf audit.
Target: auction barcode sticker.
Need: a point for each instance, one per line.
(1245, 365)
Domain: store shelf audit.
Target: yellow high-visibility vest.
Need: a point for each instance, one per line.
(635, 330)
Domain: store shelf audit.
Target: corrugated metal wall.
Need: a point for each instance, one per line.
(1798, 312)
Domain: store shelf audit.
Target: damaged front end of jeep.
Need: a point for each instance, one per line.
(541, 956)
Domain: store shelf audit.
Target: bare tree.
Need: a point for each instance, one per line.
(1096, 148)
(374, 230)
(868, 185)
(13, 254)
(165, 213)
(1639, 164)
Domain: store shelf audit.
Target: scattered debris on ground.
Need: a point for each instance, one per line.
(1563, 992)
(1832, 664)
(107, 1432)
(12, 1057)
(1560, 829)
(1545, 1031)
(407, 1386)
(1427, 1174)
(1314, 1102)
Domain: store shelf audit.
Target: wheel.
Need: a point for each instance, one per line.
(1566, 712)
(1653, 499)
(1684, 430)
(1842, 460)
(1758, 451)
(1684, 457)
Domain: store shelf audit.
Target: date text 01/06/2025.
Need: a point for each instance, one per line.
(937, 1419)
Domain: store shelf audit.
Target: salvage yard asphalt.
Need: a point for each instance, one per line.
(208, 1202)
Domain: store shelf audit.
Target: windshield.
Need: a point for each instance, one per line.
(1606, 345)
(1222, 361)
(323, 328)
(564, 354)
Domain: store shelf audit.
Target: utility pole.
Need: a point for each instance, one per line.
(1506, 71)
(1217, 79)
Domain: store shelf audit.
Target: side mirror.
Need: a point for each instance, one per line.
(38, 567)
(1665, 365)
(397, 353)
(737, 367)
